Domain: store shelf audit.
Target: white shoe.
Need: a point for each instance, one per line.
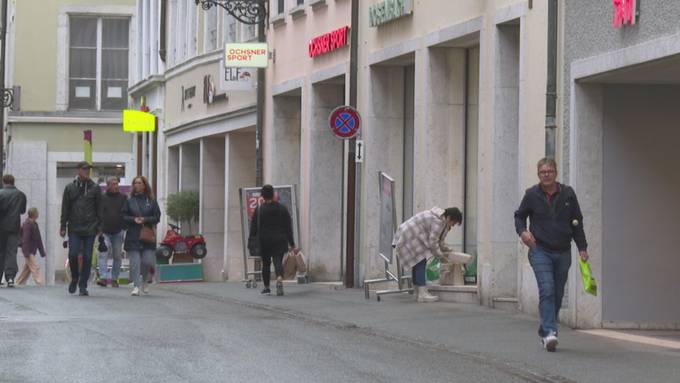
(135, 292)
(145, 289)
(550, 342)
(424, 295)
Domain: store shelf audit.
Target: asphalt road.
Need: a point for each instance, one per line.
(47, 335)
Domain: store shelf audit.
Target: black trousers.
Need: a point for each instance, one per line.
(267, 258)
(9, 243)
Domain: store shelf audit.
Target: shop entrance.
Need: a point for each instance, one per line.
(630, 121)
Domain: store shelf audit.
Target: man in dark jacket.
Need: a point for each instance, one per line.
(556, 219)
(12, 206)
(80, 215)
(112, 229)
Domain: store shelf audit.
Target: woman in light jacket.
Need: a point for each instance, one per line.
(141, 209)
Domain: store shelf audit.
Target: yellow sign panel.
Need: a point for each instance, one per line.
(249, 55)
(138, 121)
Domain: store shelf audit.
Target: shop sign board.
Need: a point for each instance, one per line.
(246, 55)
(138, 121)
(387, 10)
(237, 79)
(328, 42)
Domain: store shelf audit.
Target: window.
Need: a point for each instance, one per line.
(98, 63)
(249, 32)
(211, 29)
(281, 6)
(300, 2)
(230, 28)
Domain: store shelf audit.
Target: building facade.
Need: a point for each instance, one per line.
(205, 141)
(619, 89)
(452, 99)
(68, 61)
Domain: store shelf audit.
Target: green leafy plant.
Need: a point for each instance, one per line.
(183, 207)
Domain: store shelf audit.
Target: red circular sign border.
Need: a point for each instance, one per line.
(334, 114)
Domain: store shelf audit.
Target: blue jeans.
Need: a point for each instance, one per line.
(140, 264)
(115, 244)
(418, 273)
(80, 244)
(551, 269)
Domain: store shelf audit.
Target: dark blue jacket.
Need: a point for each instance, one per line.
(554, 224)
(139, 205)
(12, 206)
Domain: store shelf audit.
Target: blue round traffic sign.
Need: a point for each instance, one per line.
(344, 122)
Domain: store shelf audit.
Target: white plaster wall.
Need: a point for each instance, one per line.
(28, 165)
(212, 201)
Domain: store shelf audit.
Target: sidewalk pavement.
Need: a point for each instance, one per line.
(494, 338)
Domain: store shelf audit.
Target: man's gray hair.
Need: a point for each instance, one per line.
(112, 178)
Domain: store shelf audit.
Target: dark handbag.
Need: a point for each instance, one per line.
(146, 234)
(254, 246)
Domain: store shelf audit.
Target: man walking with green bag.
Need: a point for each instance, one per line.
(555, 219)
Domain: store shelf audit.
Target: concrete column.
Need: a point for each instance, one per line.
(384, 152)
(440, 157)
(499, 267)
(285, 144)
(212, 205)
(239, 172)
(325, 187)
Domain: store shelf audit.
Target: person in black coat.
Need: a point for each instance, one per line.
(272, 230)
(140, 210)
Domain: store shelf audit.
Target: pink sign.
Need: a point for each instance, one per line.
(624, 12)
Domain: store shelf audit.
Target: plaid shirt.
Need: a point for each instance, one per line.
(421, 237)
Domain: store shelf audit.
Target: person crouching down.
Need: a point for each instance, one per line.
(421, 237)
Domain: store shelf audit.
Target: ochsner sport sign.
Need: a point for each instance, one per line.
(251, 55)
(328, 42)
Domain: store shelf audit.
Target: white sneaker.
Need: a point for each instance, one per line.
(550, 342)
(424, 295)
(145, 289)
(135, 292)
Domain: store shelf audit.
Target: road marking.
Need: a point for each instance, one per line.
(648, 340)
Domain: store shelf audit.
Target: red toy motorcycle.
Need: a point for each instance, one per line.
(175, 243)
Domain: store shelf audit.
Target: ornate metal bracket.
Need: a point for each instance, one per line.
(7, 97)
(246, 11)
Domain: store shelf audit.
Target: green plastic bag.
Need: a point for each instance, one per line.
(589, 284)
(432, 269)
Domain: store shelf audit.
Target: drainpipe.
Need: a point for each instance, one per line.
(3, 36)
(259, 125)
(353, 176)
(551, 88)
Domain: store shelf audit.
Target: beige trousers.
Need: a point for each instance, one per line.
(31, 266)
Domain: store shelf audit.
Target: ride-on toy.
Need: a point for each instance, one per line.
(176, 243)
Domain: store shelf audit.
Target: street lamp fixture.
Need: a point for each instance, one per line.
(246, 11)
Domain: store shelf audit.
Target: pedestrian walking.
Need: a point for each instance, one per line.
(421, 237)
(80, 219)
(272, 229)
(12, 206)
(112, 232)
(31, 242)
(554, 220)
(141, 214)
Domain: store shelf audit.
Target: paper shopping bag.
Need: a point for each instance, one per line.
(300, 262)
(289, 266)
(589, 284)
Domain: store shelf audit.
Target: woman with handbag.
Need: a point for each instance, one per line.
(271, 236)
(141, 214)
